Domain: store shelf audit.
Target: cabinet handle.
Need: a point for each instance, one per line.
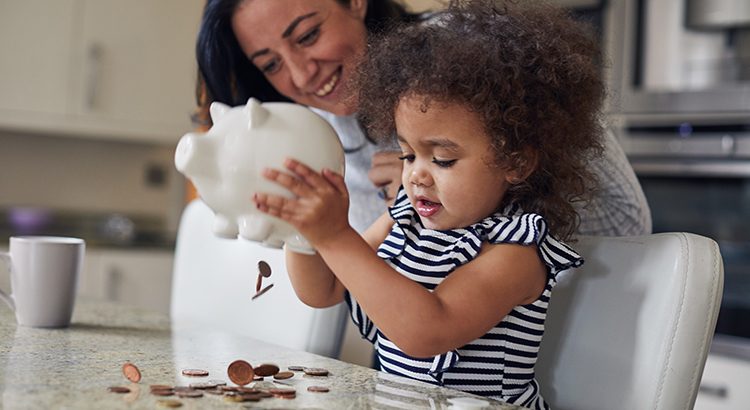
(93, 73)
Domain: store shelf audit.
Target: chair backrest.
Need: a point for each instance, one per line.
(631, 329)
(214, 280)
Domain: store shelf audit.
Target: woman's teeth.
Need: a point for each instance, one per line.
(328, 87)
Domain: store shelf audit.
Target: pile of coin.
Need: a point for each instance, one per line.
(264, 271)
(240, 373)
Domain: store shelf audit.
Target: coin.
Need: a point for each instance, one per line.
(169, 403)
(249, 397)
(182, 388)
(296, 368)
(281, 390)
(285, 396)
(315, 371)
(216, 391)
(233, 398)
(318, 389)
(259, 283)
(131, 372)
(266, 289)
(240, 372)
(202, 385)
(283, 375)
(230, 388)
(264, 269)
(218, 382)
(265, 370)
(160, 387)
(118, 389)
(162, 392)
(192, 394)
(195, 372)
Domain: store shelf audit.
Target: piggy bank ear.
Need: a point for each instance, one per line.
(256, 114)
(217, 110)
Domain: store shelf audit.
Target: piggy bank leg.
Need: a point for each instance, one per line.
(225, 227)
(299, 244)
(258, 229)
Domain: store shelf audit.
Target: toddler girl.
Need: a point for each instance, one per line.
(496, 112)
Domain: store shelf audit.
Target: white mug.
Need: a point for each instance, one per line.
(44, 272)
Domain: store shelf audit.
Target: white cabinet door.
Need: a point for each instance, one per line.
(109, 69)
(141, 278)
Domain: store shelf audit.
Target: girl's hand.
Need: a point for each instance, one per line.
(321, 210)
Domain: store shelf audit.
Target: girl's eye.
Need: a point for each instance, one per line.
(444, 164)
(408, 158)
(309, 37)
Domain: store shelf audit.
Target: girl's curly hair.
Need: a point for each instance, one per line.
(530, 73)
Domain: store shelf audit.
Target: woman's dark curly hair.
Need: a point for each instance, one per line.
(529, 72)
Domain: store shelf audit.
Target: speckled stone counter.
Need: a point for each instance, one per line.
(72, 368)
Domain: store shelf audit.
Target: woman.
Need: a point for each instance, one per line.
(306, 51)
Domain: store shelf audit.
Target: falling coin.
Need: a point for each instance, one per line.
(318, 389)
(131, 372)
(263, 291)
(266, 370)
(259, 283)
(169, 403)
(264, 269)
(240, 372)
(118, 389)
(314, 371)
(195, 372)
(283, 375)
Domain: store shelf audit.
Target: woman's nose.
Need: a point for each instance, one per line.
(302, 70)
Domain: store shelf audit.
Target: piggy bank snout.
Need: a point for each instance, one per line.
(193, 156)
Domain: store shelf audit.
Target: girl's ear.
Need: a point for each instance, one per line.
(359, 8)
(523, 167)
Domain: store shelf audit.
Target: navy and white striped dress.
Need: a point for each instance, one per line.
(500, 364)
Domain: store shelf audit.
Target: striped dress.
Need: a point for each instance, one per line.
(500, 364)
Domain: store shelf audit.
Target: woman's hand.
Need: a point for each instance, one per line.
(386, 173)
(321, 210)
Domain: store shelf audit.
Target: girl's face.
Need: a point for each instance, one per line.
(450, 173)
(307, 49)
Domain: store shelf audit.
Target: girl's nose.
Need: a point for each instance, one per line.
(420, 176)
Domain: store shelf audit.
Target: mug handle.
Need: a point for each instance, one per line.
(4, 296)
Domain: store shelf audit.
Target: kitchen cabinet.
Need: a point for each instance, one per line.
(140, 278)
(108, 69)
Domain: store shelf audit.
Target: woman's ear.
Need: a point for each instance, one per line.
(359, 8)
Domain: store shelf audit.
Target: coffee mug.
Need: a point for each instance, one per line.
(44, 272)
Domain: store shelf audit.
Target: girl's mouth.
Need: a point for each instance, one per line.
(328, 87)
(426, 208)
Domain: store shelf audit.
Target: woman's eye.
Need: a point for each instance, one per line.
(309, 37)
(270, 67)
(444, 164)
(408, 158)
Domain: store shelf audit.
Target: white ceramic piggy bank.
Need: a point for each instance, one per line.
(225, 164)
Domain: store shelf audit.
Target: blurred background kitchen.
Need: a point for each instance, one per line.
(94, 95)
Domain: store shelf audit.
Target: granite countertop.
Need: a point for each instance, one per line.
(72, 368)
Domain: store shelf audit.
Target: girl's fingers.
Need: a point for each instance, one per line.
(334, 179)
(307, 174)
(271, 204)
(295, 185)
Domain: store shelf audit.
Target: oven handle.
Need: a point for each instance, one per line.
(692, 168)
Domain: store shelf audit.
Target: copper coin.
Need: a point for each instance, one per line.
(118, 389)
(131, 372)
(230, 388)
(195, 372)
(264, 395)
(240, 372)
(169, 403)
(296, 368)
(182, 388)
(283, 375)
(318, 389)
(266, 370)
(162, 392)
(160, 387)
(315, 371)
(266, 289)
(258, 378)
(264, 269)
(281, 390)
(259, 283)
(249, 397)
(192, 394)
(285, 396)
(247, 390)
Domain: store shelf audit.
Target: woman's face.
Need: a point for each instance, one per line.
(307, 49)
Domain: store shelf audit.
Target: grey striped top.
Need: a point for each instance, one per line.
(500, 364)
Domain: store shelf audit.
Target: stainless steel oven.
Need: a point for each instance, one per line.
(680, 76)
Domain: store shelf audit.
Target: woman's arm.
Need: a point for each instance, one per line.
(467, 304)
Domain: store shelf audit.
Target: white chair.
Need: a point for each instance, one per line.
(631, 329)
(214, 280)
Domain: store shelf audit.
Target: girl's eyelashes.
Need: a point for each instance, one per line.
(444, 164)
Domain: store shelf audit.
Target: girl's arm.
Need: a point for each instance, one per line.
(468, 303)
